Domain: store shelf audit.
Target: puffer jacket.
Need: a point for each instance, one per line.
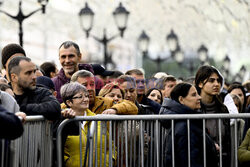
(71, 147)
(181, 139)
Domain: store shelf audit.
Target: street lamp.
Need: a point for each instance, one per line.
(203, 53)
(242, 71)
(143, 43)
(227, 61)
(226, 65)
(86, 20)
(179, 55)
(172, 41)
(20, 17)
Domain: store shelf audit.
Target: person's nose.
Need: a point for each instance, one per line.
(33, 76)
(67, 59)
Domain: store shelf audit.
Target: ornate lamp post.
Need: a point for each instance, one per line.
(203, 53)
(20, 17)
(172, 41)
(86, 20)
(143, 42)
(242, 71)
(226, 65)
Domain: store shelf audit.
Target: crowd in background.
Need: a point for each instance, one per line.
(89, 89)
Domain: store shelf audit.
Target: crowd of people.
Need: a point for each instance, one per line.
(88, 89)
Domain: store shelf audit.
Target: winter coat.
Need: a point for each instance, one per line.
(61, 79)
(244, 149)
(8, 102)
(10, 125)
(39, 102)
(71, 147)
(125, 107)
(181, 139)
(226, 132)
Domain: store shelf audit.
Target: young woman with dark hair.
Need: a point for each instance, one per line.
(186, 100)
(209, 83)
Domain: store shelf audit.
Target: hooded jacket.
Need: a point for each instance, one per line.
(181, 139)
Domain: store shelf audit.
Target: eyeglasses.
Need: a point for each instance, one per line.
(81, 97)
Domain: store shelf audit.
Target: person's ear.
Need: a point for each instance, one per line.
(69, 103)
(13, 77)
(54, 93)
(79, 57)
(52, 74)
(201, 85)
(181, 99)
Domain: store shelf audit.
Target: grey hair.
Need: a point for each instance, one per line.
(81, 74)
(68, 44)
(70, 89)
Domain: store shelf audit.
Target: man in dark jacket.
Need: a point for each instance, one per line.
(31, 99)
(69, 57)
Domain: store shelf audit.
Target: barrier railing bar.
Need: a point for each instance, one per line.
(220, 143)
(204, 142)
(80, 142)
(158, 117)
(96, 145)
(110, 144)
(235, 143)
(188, 133)
(126, 143)
(157, 142)
(173, 156)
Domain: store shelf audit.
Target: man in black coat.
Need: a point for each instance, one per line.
(31, 99)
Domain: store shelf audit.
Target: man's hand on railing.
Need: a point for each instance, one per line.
(22, 115)
(68, 113)
(110, 111)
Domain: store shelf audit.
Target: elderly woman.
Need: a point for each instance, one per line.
(186, 100)
(112, 91)
(76, 97)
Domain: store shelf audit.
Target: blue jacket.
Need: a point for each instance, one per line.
(181, 139)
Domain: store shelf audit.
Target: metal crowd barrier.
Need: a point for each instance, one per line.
(139, 140)
(33, 148)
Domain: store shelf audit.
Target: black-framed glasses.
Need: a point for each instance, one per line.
(80, 97)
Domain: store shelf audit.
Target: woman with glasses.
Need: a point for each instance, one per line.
(76, 97)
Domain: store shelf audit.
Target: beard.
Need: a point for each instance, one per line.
(25, 86)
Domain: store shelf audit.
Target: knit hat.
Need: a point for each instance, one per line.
(10, 50)
(45, 82)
